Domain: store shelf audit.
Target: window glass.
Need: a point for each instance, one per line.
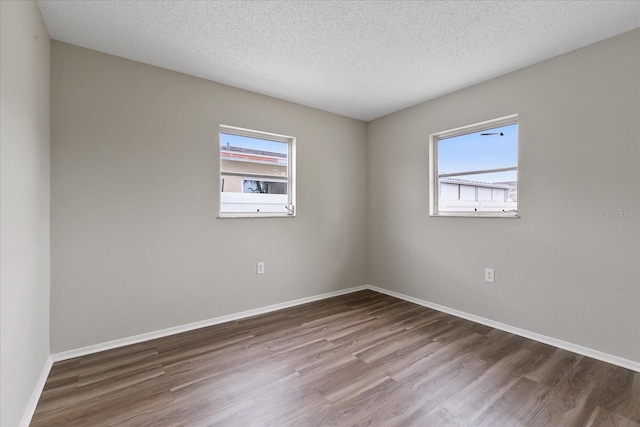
(255, 173)
(474, 170)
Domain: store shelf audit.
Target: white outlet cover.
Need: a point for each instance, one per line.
(489, 275)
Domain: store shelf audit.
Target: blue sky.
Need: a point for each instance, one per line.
(253, 143)
(475, 152)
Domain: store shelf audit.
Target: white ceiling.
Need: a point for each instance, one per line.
(362, 59)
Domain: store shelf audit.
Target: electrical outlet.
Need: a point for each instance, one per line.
(260, 267)
(489, 275)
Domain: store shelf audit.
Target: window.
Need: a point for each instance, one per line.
(257, 173)
(474, 170)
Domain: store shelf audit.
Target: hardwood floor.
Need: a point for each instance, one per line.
(363, 359)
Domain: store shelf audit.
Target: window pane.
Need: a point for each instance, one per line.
(475, 151)
(264, 187)
(246, 155)
(254, 174)
(491, 186)
(470, 179)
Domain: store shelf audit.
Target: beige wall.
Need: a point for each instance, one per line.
(136, 245)
(24, 205)
(564, 269)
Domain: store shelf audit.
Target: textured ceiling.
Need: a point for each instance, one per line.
(361, 59)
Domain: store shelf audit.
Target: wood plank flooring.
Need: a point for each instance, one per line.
(362, 359)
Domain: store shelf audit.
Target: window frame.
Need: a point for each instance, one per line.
(434, 187)
(291, 172)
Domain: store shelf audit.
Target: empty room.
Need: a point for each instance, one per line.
(320, 213)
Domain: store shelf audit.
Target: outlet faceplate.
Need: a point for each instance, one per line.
(260, 267)
(489, 275)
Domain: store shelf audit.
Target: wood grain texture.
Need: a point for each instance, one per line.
(363, 359)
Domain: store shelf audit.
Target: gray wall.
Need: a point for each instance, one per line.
(136, 245)
(564, 269)
(24, 205)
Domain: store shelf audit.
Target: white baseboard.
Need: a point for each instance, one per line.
(585, 351)
(37, 392)
(195, 325)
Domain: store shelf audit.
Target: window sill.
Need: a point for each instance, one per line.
(509, 215)
(254, 215)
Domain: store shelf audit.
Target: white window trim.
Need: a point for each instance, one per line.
(291, 167)
(434, 188)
